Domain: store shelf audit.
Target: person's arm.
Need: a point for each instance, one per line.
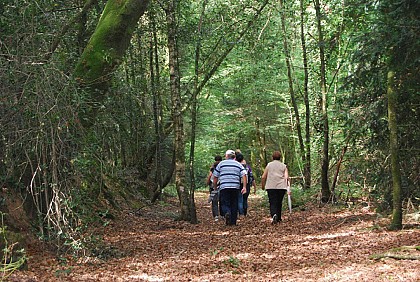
(215, 180)
(264, 178)
(243, 191)
(208, 178)
(253, 182)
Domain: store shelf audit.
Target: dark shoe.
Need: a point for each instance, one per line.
(227, 219)
(245, 211)
(275, 219)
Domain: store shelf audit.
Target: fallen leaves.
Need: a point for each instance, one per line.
(309, 245)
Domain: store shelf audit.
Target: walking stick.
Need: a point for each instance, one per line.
(289, 199)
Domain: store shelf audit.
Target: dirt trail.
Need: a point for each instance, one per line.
(310, 245)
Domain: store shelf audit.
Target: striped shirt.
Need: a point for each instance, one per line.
(229, 172)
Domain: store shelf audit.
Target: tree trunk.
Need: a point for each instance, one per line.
(105, 50)
(307, 165)
(261, 145)
(337, 171)
(187, 211)
(325, 189)
(396, 222)
(157, 104)
(194, 106)
(290, 79)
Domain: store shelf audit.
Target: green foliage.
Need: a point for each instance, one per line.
(11, 259)
(47, 154)
(232, 262)
(215, 252)
(170, 190)
(63, 272)
(301, 196)
(390, 41)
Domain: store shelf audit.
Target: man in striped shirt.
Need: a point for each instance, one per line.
(229, 173)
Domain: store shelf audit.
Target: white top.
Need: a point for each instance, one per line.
(275, 175)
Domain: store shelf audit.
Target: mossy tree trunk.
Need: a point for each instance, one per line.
(105, 50)
(396, 222)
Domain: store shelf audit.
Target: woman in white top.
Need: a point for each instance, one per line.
(275, 180)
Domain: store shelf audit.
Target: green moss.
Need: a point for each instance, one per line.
(105, 50)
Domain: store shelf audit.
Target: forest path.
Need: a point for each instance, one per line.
(311, 245)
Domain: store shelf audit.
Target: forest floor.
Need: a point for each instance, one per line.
(311, 244)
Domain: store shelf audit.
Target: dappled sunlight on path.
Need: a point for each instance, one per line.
(309, 245)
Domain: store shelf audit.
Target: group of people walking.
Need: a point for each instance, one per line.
(230, 182)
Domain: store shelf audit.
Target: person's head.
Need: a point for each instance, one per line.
(218, 158)
(216, 163)
(230, 154)
(239, 157)
(276, 155)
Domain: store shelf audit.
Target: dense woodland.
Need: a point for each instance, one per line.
(111, 104)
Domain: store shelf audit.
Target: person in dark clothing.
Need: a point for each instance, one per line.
(243, 202)
(229, 172)
(213, 191)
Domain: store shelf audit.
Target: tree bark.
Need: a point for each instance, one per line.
(396, 223)
(325, 189)
(337, 171)
(157, 104)
(187, 211)
(290, 80)
(307, 165)
(194, 106)
(104, 52)
(261, 145)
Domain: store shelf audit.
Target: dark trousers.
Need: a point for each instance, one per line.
(240, 204)
(245, 202)
(229, 203)
(214, 202)
(275, 198)
(215, 205)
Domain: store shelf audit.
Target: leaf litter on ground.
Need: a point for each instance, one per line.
(314, 244)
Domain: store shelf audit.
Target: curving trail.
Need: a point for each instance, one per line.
(311, 245)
